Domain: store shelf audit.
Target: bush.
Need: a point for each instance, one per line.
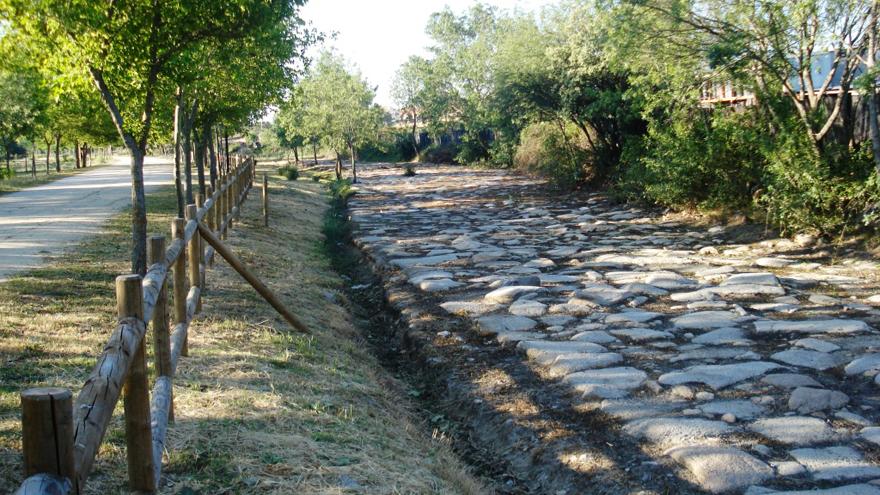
(703, 160)
(396, 147)
(289, 171)
(6, 174)
(546, 151)
(409, 170)
(440, 153)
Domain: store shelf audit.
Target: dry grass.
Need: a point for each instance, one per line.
(258, 409)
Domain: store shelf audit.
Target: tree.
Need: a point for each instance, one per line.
(778, 43)
(338, 102)
(408, 92)
(127, 49)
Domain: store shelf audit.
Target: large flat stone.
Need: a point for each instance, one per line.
(528, 308)
(806, 359)
(508, 294)
(794, 430)
(868, 362)
(835, 463)
(838, 325)
(742, 409)
(469, 308)
(424, 260)
(641, 334)
(806, 400)
(763, 278)
(595, 336)
(607, 382)
(632, 317)
(603, 295)
(702, 320)
(546, 351)
(566, 364)
(718, 376)
(631, 409)
(721, 469)
(790, 380)
(720, 336)
(677, 432)
(493, 324)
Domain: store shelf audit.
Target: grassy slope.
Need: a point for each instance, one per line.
(259, 410)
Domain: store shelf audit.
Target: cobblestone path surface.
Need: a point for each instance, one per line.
(746, 368)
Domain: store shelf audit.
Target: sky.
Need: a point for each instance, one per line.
(378, 36)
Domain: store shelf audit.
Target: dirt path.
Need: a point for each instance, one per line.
(613, 350)
(40, 222)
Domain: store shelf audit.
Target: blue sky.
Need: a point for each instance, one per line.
(379, 35)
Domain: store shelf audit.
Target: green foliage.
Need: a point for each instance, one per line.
(290, 172)
(389, 146)
(440, 153)
(548, 150)
(699, 159)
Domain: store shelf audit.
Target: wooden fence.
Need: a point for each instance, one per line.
(60, 436)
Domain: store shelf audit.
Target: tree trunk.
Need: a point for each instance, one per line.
(187, 168)
(48, 153)
(200, 155)
(58, 152)
(226, 148)
(872, 90)
(315, 151)
(212, 156)
(8, 167)
(354, 169)
(138, 212)
(34, 158)
(295, 156)
(338, 167)
(76, 152)
(178, 184)
(415, 138)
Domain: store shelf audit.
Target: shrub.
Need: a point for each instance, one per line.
(6, 174)
(409, 170)
(707, 160)
(545, 150)
(394, 147)
(289, 171)
(440, 153)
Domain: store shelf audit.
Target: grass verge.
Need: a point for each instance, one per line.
(258, 409)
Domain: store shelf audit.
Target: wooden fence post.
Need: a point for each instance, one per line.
(161, 331)
(200, 203)
(178, 231)
(47, 432)
(138, 433)
(195, 277)
(265, 200)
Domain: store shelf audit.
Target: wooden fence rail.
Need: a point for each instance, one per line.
(60, 436)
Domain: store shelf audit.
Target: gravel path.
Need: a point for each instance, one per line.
(748, 368)
(41, 222)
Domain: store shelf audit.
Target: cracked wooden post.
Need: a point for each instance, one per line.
(209, 217)
(138, 433)
(195, 277)
(178, 231)
(265, 200)
(161, 331)
(47, 432)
